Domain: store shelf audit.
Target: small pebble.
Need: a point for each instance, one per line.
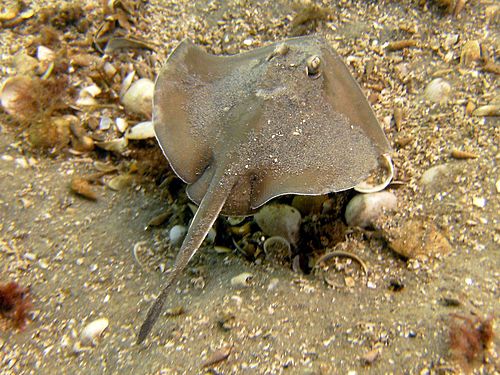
(139, 97)
(479, 202)
(434, 174)
(177, 234)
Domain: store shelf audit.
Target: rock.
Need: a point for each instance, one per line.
(279, 220)
(364, 209)
(177, 234)
(434, 175)
(417, 238)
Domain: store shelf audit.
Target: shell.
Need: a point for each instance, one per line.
(121, 124)
(487, 110)
(142, 130)
(471, 52)
(139, 97)
(379, 179)
(117, 145)
(92, 331)
(17, 96)
(364, 209)
(242, 280)
(279, 220)
(120, 182)
(278, 248)
(45, 54)
(437, 91)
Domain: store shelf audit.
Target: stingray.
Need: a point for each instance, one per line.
(240, 130)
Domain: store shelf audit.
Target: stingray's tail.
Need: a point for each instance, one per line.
(207, 213)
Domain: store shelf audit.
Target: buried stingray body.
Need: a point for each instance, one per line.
(239, 130)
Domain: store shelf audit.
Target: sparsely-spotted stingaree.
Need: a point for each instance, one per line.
(239, 130)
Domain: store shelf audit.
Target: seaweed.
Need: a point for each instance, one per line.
(15, 303)
(470, 337)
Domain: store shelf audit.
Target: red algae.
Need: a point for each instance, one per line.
(15, 303)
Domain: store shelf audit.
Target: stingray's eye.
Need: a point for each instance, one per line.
(313, 65)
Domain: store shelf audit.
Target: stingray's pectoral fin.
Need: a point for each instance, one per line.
(210, 207)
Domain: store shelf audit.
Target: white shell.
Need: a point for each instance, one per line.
(121, 124)
(177, 234)
(437, 91)
(109, 69)
(142, 130)
(388, 174)
(105, 123)
(126, 83)
(242, 280)
(120, 182)
(117, 145)
(364, 209)
(92, 91)
(92, 331)
(45, 54)
(139, 97)
(15, 95)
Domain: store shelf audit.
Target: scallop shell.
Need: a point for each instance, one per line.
(278, 248)
(379, 179)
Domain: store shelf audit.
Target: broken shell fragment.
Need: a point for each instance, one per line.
(117, 145)
(142, 130)
(121, 124)
(437, 91)
(279, 220)
(120, 182)
(471, 52)
(139, 97)
(127, 82)
(92, 331)
(379, 178)
(45, 54)
(364, 209)
(487, 110)
(242, 280)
